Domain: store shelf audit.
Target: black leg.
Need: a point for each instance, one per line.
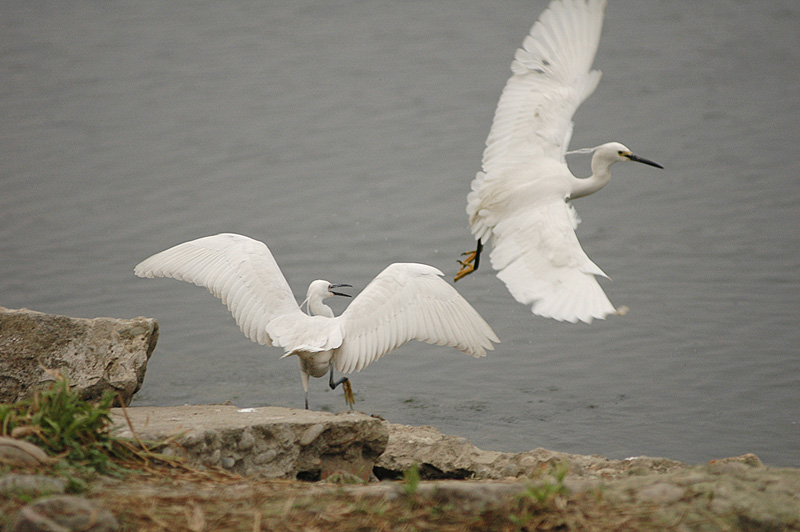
(333, 384)
(477, 260)
(471, 263)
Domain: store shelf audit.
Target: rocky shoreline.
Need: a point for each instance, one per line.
(286, 443)
(314, 464)
(281, 468)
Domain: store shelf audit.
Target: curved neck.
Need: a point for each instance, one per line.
(317, 308)
(599, 178)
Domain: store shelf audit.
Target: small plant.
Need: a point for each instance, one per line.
(541, 496)
(543, 492)
(411, 480)
(64, 425)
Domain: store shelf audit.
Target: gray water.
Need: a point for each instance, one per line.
(345, 135)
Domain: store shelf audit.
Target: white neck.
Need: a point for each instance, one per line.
(599, 178)
(317, 308)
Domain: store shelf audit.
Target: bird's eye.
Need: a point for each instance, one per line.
(620, 152)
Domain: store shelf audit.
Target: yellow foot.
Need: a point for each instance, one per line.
(348, 394)
(466, 265)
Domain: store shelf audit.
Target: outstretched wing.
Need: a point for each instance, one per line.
(551, 77)
(243, 274)
(538, 257)
(519, 198)
(409, 302)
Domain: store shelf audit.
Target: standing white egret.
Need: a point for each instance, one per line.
(520, 199)
(404, 302)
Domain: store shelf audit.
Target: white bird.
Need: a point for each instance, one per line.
(521, 198)
(404, 302)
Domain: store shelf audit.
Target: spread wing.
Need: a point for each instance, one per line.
(519, 198)
(244, 275)
(538, 257)
(551, 77)
(409, 302)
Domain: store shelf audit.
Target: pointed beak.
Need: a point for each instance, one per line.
(642, 160)
(342, 285)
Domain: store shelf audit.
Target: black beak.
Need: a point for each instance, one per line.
(340, 286)
(642, 160)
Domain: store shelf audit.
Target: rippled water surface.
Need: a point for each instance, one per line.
(345, 136)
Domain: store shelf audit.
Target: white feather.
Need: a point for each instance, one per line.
(409, 302)
(404, 302)
(236, 269)
(519, 200)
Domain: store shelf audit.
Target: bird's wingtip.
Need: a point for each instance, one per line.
(139, 271)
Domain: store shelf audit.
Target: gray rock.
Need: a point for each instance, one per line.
(270, 442)
(95, 354)
(64, 513)
(710, 497)
(32, 485)
(440, 456)
(21, 453)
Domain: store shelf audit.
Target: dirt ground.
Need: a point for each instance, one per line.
(725, 496)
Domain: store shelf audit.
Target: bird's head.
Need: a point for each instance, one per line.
(613, 152)
(318, 291)
(321, 289)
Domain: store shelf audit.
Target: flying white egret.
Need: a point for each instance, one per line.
(404, 302)
(521, 198)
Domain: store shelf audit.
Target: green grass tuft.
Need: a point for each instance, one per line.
(64, 425)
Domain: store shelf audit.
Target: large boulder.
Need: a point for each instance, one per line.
(270, 442)
(94, 354)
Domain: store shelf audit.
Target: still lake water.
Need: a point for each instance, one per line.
(345, 134)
